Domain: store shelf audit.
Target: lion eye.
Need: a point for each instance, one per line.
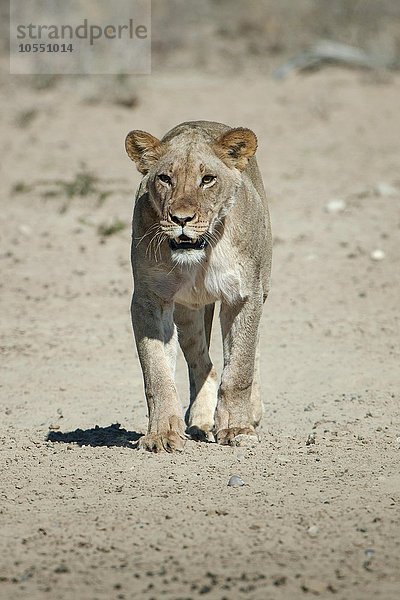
(165, 178)
(207, 179)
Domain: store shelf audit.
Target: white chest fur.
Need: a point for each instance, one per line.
(217, 278)
(195, 283)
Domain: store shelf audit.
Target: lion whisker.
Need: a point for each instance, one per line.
(211, 238)
(158, 248)
(148, 232)
(151, 242)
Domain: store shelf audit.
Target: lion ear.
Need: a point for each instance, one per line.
(144, 149)
(236, 146)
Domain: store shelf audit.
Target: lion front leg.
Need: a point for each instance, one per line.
(194, 329)
(235, 418)
(156, 341)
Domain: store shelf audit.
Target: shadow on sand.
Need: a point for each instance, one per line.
(113, 435)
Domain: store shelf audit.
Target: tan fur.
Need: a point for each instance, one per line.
(236, 146)
(143, 149)
(200, 181)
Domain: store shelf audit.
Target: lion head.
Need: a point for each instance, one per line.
(192, 181)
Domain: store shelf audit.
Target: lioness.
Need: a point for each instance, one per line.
(201, 233)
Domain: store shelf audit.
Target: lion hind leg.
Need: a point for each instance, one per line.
(256, 399)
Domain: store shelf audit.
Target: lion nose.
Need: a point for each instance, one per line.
(181, 218)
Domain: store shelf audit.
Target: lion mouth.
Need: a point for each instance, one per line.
(186, 243)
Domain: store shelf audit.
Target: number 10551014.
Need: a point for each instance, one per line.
(42, 47)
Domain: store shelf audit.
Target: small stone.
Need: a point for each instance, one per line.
(377, 254)
(61, 569)
(336, 205)
(385, 189)
(246, 440)
(25, 230)
(315, 586)
(240, 456)
(313, 531)
(279, 580)
(310, 439)
(54, 426)
(236, 481)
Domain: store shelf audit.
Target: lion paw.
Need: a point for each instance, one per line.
(238, 436)
(200, 434)
(170, 441)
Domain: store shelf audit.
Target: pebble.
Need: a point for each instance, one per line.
(310, 439)
(385, 189)
(25, 230)
(315, 586)
(236, 481)
(336, 205)
(377, 254)
(313, 531)
(61, 569)
(54, 426)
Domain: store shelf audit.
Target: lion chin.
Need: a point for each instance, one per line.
(188, 257)
(187, 251)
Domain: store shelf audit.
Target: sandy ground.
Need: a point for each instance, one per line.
(83, 514)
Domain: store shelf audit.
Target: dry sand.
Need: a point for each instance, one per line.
(83, 514)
